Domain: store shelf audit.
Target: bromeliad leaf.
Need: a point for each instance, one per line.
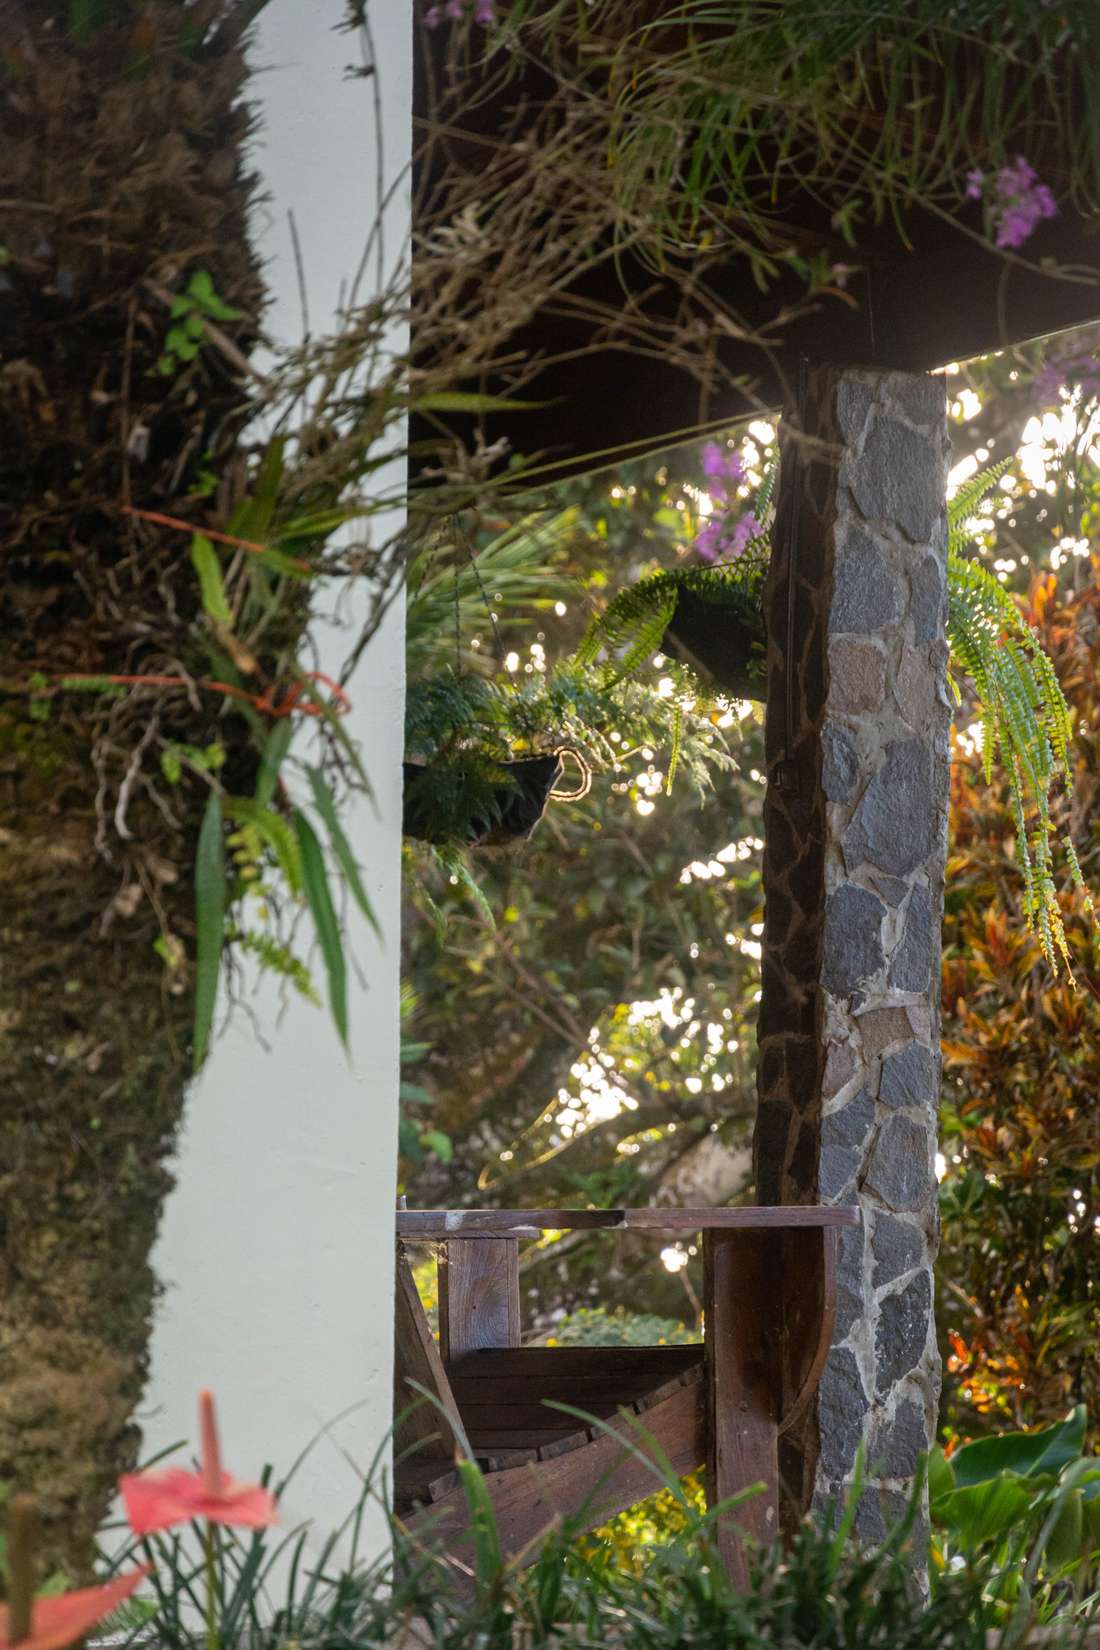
(319, 896)
(341, 847)
(209, 923)
(206, 565)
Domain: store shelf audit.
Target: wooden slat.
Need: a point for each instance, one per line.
(479, 1418)
(579, 1390)
(579, 1361)
(601, 1477)
(416, 1358)
(478, 1295)
(491, 1439)
(609, 1378)
(742, 1308)
(496, 1223)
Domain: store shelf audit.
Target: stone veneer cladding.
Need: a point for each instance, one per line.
(855, 842)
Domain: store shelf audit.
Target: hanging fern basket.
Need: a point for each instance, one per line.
(718, 641)
(448, 803)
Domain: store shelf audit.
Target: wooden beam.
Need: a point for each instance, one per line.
(423, 1428)
(497, 1223)
(478, 1296)
(585, 1487)
(742, 1314)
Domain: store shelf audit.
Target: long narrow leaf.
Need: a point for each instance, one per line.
(274, 755)
(319, 897)
(209, 922)
(206, 565)
(341, 847)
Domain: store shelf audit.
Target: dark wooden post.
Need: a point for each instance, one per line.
(743, 1332)
(478, 1295)
(855, 840)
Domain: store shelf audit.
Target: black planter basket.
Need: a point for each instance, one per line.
(518, 806)
(718, 640)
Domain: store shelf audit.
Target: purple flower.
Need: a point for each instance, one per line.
(743, 530)
(1081, 372)
(726, 538)
(722, 467)
(455, 10)
(708, 541)
(975, 180)
(1022, 202)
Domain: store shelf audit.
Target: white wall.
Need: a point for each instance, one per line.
(276, 1251)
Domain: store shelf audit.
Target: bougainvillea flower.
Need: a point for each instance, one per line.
(158, 1500)
(56, 1622)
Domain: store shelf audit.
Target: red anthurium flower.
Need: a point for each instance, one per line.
(56, 1622)
(157, 1500)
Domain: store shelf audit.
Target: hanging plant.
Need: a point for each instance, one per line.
(713, 619)
(485, 755)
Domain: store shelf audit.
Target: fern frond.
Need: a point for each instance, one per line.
(1025, 720)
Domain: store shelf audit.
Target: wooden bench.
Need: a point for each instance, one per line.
(769, 1296)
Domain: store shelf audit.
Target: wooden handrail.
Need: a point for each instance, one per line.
(503, 1223)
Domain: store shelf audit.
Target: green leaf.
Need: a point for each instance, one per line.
(207, 566)
(326, 807)
(201, 289)
(276, 831)
(434, 1140)
(941, 1479)
(1025, 1453)
(319, 897)
(987, 1511)
(488, 1557)
(209, 922)
(274, 755)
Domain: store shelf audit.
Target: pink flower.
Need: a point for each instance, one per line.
(157, 1500)
(975, 180)
(56, 1622)
(483, 11)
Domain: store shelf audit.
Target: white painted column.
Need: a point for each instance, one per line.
(276, 1252)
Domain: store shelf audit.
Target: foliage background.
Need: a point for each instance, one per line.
(624, 957)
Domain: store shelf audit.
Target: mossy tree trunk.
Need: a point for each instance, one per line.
(121, 129)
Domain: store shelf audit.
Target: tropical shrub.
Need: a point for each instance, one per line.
(1020, 1126)
(1030, 1503)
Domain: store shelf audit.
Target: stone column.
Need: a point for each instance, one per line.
(855, 840)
